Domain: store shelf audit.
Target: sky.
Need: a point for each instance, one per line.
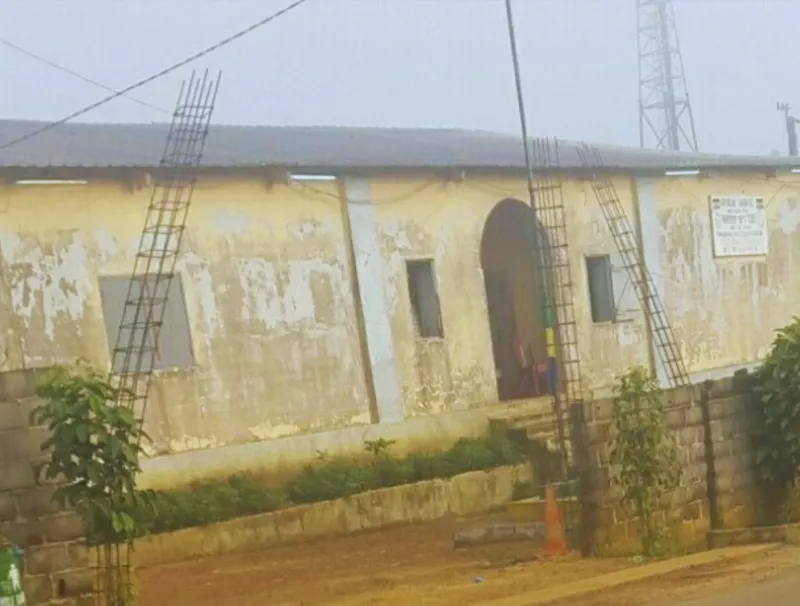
(409, 63)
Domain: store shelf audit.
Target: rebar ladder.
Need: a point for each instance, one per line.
(136, 346)
(638, 274)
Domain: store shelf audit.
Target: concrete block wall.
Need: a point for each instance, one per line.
(731, 456)
(717, 484)
(56, 562)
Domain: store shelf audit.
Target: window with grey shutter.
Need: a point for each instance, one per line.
(174, 350)
(601, 288)
(424, 298)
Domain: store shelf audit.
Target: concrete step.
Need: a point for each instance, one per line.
(525, 421)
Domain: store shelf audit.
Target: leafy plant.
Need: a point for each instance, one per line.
(328, 478)
(643, 452)
(209, 502)
(775, 418)
(379, 447)
(93, 450)
(333, 479)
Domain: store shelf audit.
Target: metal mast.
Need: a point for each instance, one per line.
(552, 253)
(665, 114)
(791, 127)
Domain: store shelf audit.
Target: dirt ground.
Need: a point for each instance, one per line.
(724, 580)
(409, 565)
(418, 565)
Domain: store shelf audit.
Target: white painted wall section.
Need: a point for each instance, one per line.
(369, 271)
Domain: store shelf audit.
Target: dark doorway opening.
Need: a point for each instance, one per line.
(514, 300)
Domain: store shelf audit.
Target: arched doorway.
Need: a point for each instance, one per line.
(514, 299)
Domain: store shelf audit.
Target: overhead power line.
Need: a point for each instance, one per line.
(224, 42)
(72, 72)
(523, 2)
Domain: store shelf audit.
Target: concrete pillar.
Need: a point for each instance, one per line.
(650, 230)
(370, 291)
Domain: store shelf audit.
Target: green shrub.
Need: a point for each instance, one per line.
(644, 452)
(774, 410)
(332, 480)
(329, 478)
(210, 502)
(429, 466)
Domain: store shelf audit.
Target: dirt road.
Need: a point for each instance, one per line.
(782, 591)
(418, 565)
(410, 565)
(769, 578)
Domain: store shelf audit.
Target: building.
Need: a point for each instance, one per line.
(383, 297)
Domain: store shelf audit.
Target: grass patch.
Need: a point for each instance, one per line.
(329, 478)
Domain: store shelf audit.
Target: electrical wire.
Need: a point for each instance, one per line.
(175, 66)
(617, 2)
(80, 76)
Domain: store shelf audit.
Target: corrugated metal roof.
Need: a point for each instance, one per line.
(140, 145)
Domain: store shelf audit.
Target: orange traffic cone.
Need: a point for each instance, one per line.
(554, 543)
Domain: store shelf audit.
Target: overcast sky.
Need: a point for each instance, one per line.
(427, 63)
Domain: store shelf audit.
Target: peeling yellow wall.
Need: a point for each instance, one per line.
(268, 292)
(607, 349)
(270, 299)
(725, 310)
(445, 221)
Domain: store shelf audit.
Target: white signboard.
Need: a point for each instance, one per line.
(739, 226)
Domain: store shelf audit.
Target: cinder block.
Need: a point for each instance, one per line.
(8, 507)
(680, 396)
(37, 502)
(697, 453)
(74, 583)
(66, 526)
(46, 559)
(731, 426)
(23, 534)
(78, 552)
(693, 511)
(688, 436)
(23, 444)
(676, 418)
(38, 588)
(694, 416)
(27, 406)
(15, 475)
(723, 387)
(12, 415)
(18, 384)
(699, 490)
(722, 449)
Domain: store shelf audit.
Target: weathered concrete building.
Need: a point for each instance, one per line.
(386, 300)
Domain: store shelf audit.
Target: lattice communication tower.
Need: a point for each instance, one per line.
(665, 113)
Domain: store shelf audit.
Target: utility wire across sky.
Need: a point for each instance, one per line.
(72, 72)
(121, 93)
